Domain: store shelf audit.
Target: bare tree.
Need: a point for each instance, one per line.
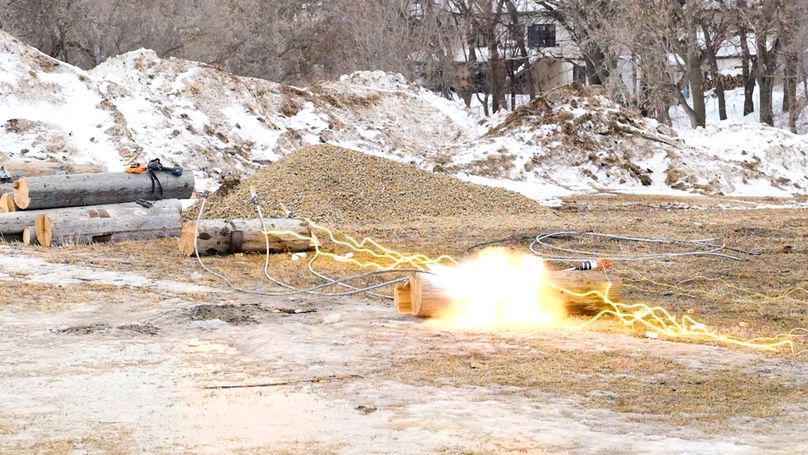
(715, 23)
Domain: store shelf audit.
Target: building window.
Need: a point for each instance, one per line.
(480, 41)
(541, 35)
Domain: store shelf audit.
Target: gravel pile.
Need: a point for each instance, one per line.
(331, 184)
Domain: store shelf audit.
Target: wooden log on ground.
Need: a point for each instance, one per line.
(246, 236)
(29, 236)
(428, 296)
(12, 224)
(118, 223)
(7, 203)
(402, 298)
(94, 189)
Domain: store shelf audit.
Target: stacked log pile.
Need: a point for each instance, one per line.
(88, 208)
(68, 209)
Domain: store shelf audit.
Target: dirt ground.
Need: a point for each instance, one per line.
(133, 348)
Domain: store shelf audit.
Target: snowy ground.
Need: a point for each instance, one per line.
(137, 106)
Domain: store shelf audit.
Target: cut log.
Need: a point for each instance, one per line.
(43, 228)
(402, 299)
(7, 203)
(428, 297)
(93, 189)
(94, 225)
(14, 223)
(246, 236)
(29, 236)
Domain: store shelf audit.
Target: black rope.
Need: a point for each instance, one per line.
(156, 185)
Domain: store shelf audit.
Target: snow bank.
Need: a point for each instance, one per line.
(137, 106)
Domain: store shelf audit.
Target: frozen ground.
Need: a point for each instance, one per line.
(142, 378)
(134, 349)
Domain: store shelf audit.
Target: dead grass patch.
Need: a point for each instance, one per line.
(621, 381)
(48, 297)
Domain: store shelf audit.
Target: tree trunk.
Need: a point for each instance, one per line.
(471, 68)
(14, 223)
(496, 78)
(691, 114)
(424, 295)
(693, 69)
(767, 65)
(718, 81)
(766, 85)
(748, 74)
(513, 13)
(246, 236)
(92, 189)
(109, 225)
(790, 103)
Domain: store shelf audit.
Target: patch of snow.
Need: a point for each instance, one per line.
(137, 106)
(43, 272)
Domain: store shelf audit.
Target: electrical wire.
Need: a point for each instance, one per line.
(703, 247)
(293, 290)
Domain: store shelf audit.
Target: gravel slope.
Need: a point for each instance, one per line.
(328, 183)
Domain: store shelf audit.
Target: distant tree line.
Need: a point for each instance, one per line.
(673, 47)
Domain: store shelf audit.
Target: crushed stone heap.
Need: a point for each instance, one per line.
(332, 184)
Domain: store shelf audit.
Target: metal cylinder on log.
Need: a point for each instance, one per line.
(110, 224)
(425, 295)
(77, 190)
(221, 236)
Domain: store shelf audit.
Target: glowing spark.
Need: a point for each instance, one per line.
(396, 259)
(506, 291)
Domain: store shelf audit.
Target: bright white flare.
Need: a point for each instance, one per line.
(499, 289)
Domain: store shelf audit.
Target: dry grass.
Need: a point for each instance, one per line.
(109, 444)
(742, 298)
(622, 381)
(47, 297)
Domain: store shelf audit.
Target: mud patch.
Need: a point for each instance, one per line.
(84, 329)
(90, 329)
(142, 329)
(231, 314)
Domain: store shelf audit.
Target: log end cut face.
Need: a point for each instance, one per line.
(21, 198)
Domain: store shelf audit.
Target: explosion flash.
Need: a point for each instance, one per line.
(499, 290)
(504, 290)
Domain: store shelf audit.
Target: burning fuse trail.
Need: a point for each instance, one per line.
(503, 290)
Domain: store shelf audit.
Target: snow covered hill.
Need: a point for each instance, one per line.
(137, 106)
